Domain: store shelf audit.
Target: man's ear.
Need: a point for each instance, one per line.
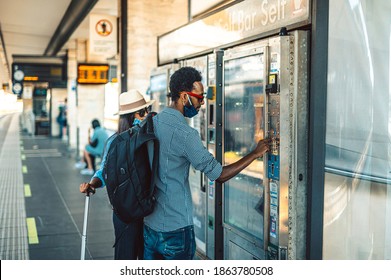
(182, 96)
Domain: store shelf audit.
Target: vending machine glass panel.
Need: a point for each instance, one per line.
(158, 89)
(243, 128)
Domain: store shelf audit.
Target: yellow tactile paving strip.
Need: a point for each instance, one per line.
(13, 228)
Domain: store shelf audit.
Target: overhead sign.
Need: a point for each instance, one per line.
(244, 20)
(103, 35)
(92, 73)
(31, 72)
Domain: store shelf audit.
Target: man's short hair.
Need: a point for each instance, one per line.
(183, 80)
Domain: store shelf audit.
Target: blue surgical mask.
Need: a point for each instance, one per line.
(136, 121)
(190, 111)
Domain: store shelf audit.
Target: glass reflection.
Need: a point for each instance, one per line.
(158, 89)
(243, 127)
(357, 196)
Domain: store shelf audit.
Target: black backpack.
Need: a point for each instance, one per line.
(130, 171)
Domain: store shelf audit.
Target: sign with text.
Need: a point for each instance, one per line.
(92, 73)
(103, 35)
(244, 20)
(31, 72)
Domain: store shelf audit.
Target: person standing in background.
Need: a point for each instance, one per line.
(62, 119)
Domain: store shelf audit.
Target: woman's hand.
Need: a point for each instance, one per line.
(86, 188)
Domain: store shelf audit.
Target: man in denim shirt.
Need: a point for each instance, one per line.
(168, 231)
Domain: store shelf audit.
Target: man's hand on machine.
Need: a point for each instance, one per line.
(262, 147)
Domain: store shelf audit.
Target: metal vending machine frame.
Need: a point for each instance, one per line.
(287, 114)
(215, 244)
(280, 181)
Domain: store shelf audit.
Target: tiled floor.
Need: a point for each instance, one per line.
(41, 207)
(13, 230)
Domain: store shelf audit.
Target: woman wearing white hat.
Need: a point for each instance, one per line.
(129, 244)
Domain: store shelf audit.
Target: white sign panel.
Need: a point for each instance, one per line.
(28, 92)
(103, 35)
(246, 19)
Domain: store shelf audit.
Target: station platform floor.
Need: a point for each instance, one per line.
(41, 208)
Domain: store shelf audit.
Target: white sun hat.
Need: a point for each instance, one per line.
(131, 101)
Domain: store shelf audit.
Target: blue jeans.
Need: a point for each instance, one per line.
(129, 240)
(173, 245)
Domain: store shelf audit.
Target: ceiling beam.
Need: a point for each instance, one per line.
(76, 12)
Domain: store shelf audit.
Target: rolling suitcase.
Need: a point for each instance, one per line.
(84, 235)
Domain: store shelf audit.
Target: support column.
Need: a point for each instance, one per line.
(147, 19)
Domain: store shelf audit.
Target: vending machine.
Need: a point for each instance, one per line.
(159, 85)
(265, 95)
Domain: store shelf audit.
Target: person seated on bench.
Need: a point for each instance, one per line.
(93, 149)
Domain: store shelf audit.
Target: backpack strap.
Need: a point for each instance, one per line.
(150, 122)
(155, 165)
(150, 148)
(150, 144)
(144, 135)
(153, 152)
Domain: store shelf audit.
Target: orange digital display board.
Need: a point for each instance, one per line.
(92, 73)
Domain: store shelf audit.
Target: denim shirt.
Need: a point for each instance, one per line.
(180, 146)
